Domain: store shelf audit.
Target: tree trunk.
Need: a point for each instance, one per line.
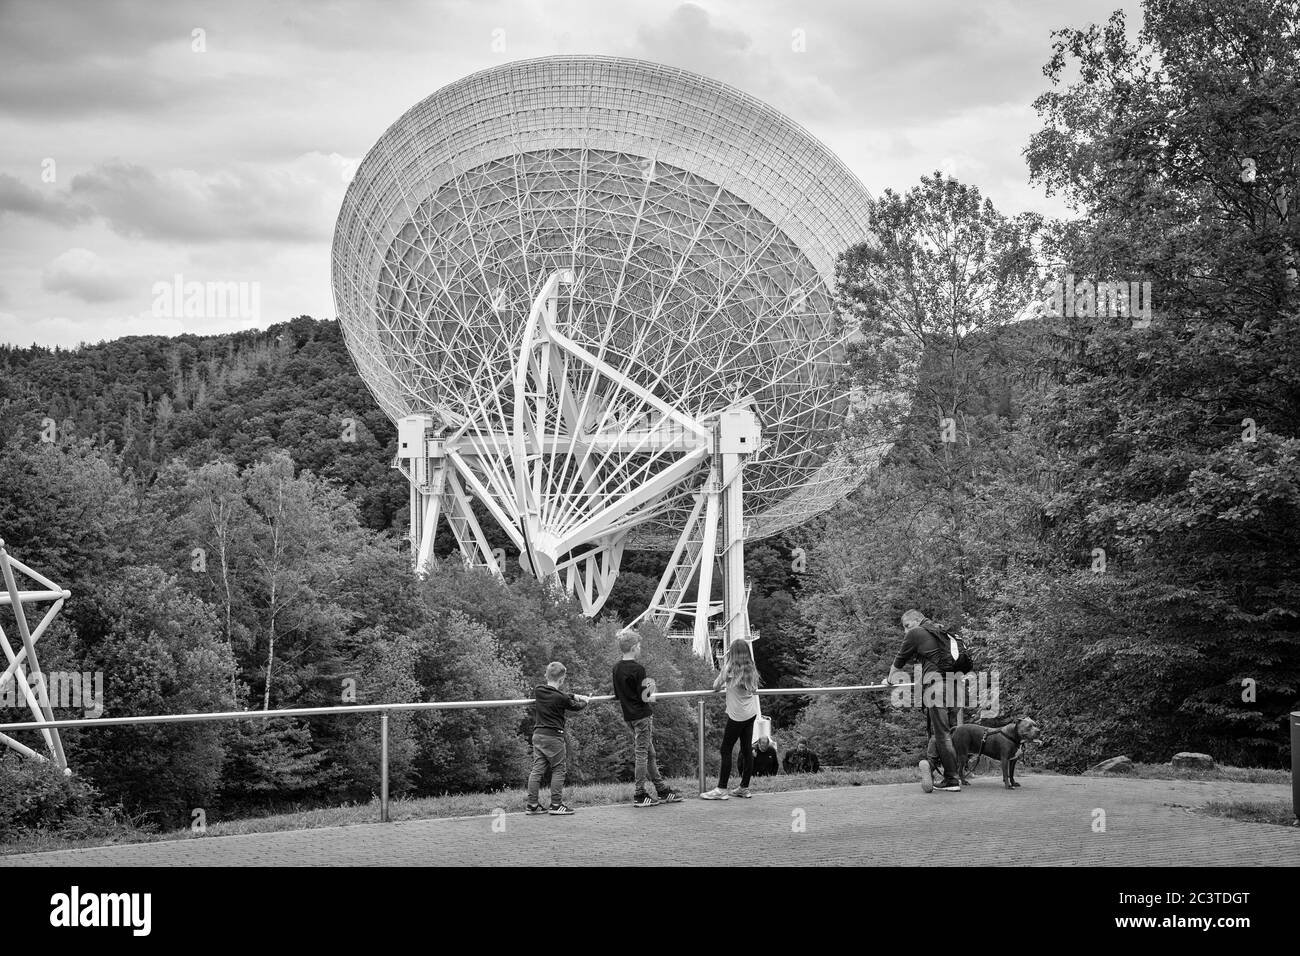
(277, 526)
(270, 663)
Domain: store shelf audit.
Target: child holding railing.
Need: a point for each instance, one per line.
(550, 749)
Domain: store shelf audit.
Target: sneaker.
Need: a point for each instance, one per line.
(717, 793)
(927, 776)
(741, 792)
(644, 800)
(670, 796)
(533, 809)
(559, 810)
(952, 786)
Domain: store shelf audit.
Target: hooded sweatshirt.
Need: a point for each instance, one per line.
(550, 707)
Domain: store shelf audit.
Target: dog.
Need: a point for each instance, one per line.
(1002, 743)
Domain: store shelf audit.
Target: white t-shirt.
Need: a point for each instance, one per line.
(740, 706)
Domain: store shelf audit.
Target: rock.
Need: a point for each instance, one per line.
(1113, 765)
(1190, 761)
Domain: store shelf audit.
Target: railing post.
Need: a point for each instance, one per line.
(700, 713)
(1295, 763)
(383, 766)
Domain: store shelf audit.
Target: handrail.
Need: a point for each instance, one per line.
(385, 709)
(380, 708)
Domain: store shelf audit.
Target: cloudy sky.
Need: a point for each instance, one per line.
(143, 140)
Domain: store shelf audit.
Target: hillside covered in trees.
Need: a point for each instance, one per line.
(237, 396)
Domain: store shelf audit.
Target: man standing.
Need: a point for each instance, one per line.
(922, 641)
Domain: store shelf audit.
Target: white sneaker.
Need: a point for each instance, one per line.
(717, 793)
(927, 776)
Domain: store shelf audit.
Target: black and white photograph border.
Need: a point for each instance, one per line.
(706, 434)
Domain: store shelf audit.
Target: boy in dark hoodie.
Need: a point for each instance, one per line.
(550, 750)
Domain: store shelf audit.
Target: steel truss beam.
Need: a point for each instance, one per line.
(23, 669)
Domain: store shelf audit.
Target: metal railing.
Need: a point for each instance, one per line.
(384, 710)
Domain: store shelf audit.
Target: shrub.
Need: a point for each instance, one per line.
(35, 795)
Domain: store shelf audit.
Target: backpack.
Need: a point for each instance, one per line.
(961, 660)
(956, 648)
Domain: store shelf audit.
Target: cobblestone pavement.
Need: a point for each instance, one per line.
(1048, 822)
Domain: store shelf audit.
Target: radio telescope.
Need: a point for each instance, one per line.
(594, 293)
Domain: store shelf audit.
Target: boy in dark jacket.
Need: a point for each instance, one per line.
(634, 692)
(550, 750)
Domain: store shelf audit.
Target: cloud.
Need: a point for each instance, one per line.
(693, 39)
(231, 164)
(123, 57)
(83, 275)
(690, 33)
(292, 202)
(18, 198)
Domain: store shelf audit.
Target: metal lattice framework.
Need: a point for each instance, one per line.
(20, 671)
(572, 281)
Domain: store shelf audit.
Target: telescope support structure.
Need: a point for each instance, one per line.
(590, 455)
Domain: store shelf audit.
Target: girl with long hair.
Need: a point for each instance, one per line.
(739, 674)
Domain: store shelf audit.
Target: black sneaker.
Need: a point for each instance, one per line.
(671, 796)
(952, 786)
(559, 810)
(533, 809)
(644, 800)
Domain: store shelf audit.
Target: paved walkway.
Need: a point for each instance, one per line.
(1047, 822)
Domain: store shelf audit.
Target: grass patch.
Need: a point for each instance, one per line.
(1163, 771)
(1276, 812)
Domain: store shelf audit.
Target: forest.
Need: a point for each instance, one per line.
(1104, 503)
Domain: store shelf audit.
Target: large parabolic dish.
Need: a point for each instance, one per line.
(563, 274)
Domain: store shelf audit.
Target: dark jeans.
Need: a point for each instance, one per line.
(742, 731)
(940, 745)
(549, 756)
(643, 748)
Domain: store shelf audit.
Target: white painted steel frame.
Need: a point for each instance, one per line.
(23, 662)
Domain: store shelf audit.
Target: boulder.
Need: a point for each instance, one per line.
(1190, 761)
(1113, 765)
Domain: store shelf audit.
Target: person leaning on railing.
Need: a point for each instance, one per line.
(550, 749)
(739, 674)
(923, 640)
